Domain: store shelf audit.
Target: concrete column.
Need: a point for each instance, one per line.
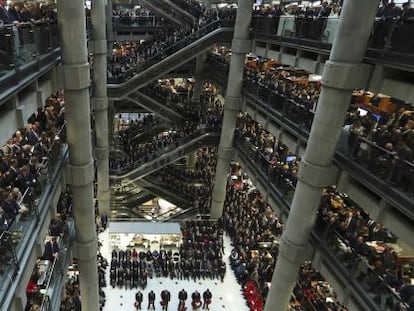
(100, 104)
(240, 47)
(383, 207)
(192, 159)
(377, 78)
(52, 75)
(80, 174)
(343, 72)
(198, 77)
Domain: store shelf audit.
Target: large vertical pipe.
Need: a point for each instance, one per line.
(71, 18)
(342, 73)
(239, 48)
(198, 77)
(100, 103)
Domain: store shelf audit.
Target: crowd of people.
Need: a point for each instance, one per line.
(140, 152)
(388, 149)
(255, 232)
(72, 294)
(208, 115)
(129, 58)
(26, 12)
(57, 238)
(22, 156)
(195, 182)
(366, 240)
(200, 256)
(272, 155)
(369, 248)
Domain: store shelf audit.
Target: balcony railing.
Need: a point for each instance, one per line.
(56, 276)
(26, 48)
(197, 133)
(378, 295)
(390, 38)
(139, 22)
(383, 171)
(170, 50)
(26, 225)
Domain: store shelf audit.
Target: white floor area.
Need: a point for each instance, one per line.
(226, 295)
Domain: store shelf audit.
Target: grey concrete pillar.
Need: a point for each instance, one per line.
(198, 77)
(80, 174)
(100, 103)
(239, 48)
(377, 78)
(343, 72)
(192, 159)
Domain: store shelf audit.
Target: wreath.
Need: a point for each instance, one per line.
(196, 303)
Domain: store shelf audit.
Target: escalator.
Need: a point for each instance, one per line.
(148, 134)
(129, 199)
(185, 204)
(155, 106)
(152, 100)
(192, 7)
(150, 184)
(170, 11)
(163, 157)
(173, 57)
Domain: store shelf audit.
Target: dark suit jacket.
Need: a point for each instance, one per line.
(50, 249)
(5, 16)
(139, 297)
(165, 295)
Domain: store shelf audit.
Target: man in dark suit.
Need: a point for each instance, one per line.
(196, 300)
(182, 297)
(138, 300)
(207, 299)
(4, 14)
(165, 298)
(151, 299)
(51, 249)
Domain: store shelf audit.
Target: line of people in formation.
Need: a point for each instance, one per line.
(197, 300)
(200, 258)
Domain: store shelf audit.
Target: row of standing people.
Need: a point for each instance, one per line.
(197, 300)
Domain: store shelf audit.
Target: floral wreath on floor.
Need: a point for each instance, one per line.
(196, 303)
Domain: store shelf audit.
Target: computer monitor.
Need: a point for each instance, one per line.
(290, 158)
(362, 112)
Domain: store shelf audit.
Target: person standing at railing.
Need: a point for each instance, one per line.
(5, 17)
(324, 11)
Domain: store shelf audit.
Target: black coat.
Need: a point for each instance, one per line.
(139, 297)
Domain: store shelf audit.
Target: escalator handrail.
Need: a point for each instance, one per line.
(181, 43)
(128, 170)
(165, 60)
